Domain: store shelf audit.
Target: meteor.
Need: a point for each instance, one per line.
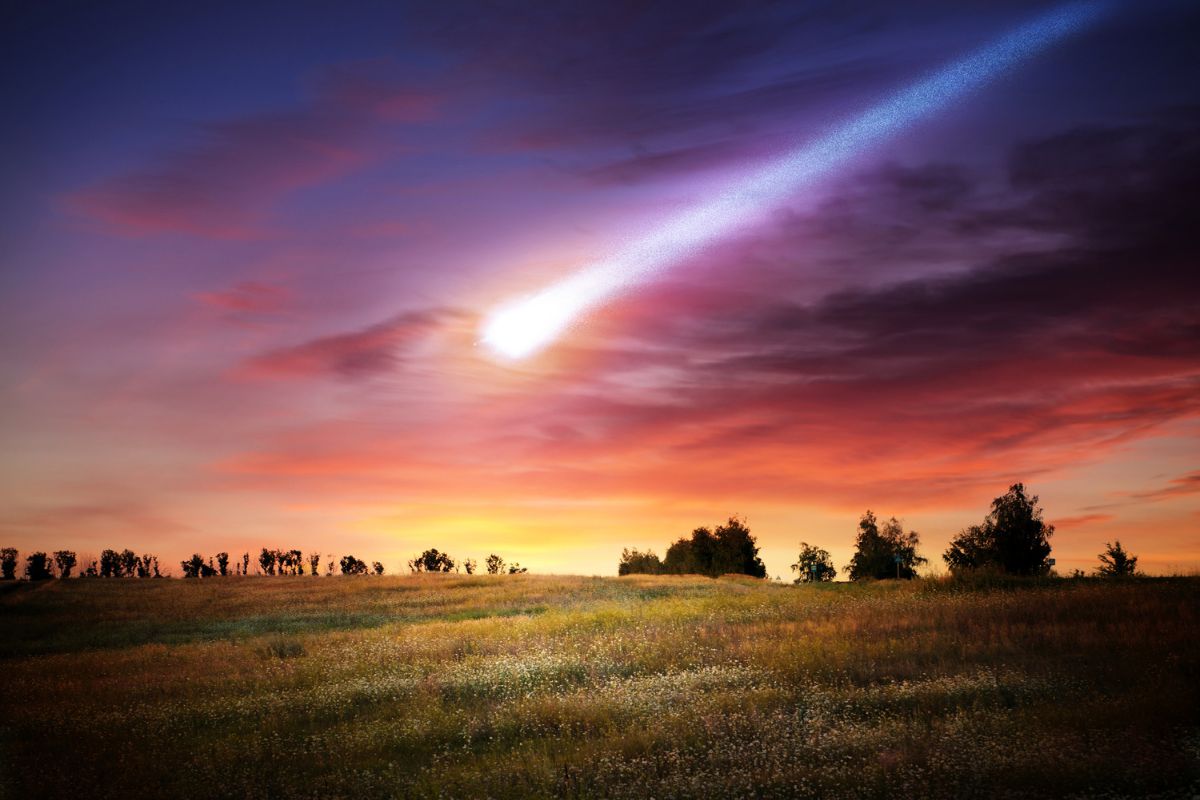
(529, 324)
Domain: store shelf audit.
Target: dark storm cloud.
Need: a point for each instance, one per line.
(675, 85)
(1091, 339)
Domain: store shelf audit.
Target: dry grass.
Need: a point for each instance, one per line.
(527, 686)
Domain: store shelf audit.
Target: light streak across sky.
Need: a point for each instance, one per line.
(529, 324)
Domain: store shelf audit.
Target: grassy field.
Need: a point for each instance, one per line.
(528, 686)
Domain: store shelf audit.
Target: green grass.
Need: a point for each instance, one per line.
(529, 686)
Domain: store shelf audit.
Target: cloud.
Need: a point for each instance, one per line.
(247, 297)
(356, 355)
(1178, 487)
(225, 182)
(1038, 357)
(910, 382)
(1082, 520)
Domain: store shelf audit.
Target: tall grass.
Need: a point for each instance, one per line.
(527, 686)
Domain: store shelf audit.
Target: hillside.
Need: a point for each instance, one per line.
(532, 686)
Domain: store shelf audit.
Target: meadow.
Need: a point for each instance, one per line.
(634, 687)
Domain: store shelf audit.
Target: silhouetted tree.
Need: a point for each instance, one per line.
(223, 563)
(636, 562)
(1116, 561)
(886, 552)
(92, 570)
(245, 564)
(469, 566)
(110, 564)
(731, 548)
(1013, 538)
(8, 563)
(432, 561)
(266, 560)
(813, 564)
(193, 567)
(128, 563)
(353, 566)
(377, 567)
(314, 563)
(495, 564)
(65, 559)
(37, 567)
(516, 569)
(329, 566)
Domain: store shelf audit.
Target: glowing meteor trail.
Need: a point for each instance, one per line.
(527, 325)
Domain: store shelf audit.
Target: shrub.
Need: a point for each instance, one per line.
(432, 560)
(353, 566)
(637, 562)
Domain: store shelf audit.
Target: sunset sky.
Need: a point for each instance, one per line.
(245, 254)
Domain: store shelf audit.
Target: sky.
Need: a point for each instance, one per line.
(246, 251)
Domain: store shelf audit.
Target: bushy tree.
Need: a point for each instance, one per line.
(65, 560)
(110, 564)
(813, 564)
(8, 563)
(1013, 538)
(245, 563)
(469, 566)
(1116, 561)
(223, 563)
(128, 563)
(432, 560)
(37, 567)
(731, 548)
(495, 564)
(193, 567)
(353, 566)
(147, 566)
(377, 567)
(884, 552)
(638, 562)
(516, 569)
(266, 560)
(314, 563)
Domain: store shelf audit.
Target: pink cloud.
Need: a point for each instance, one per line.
(252, 297)
(225, 183)
(349, 355)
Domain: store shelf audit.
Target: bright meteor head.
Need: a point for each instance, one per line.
(522, 328)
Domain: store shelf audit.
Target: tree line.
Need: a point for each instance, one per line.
(728, 548)
(433, 560)
(1013, 539)
(270, 562)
